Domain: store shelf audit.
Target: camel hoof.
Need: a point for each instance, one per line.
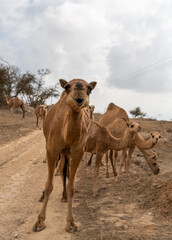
(72, 228)
(38, 226)
(95, 194)
(64, 199)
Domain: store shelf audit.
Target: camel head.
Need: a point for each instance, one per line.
(90, 109)
(133, 126)
(152, 162)
(155, 136)
(78, 92)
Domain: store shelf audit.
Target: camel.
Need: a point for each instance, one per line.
(15, 102)
(65, 131)
(100, 140)
(138, 140)
(88, 113)
(143, 144)
(41, 113)
(90, 110)
(113, 112)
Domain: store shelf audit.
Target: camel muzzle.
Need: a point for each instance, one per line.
(79, 101)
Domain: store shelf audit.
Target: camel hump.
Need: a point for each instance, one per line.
(111, 106)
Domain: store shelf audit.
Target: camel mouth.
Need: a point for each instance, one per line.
(79, 101)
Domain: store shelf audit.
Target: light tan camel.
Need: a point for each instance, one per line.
(100, 141)
(15, 102)
(106, 119)
(41, 113)
(59, 168)
(65, 132)
(90, 110)
(143, 144)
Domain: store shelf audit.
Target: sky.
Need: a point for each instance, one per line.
(124, 45)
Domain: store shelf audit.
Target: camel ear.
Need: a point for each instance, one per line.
(127, 124)
(92, 85)
(63, 83)
(92, 108)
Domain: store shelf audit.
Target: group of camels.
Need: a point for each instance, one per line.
(70, 130)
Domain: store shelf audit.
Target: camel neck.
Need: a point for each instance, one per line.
(142, 143)
(122, 142)
(73, 126)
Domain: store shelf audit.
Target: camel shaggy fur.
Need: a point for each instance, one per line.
(117, 130)
(15, 102)
(41, 113)
(65, 131)
(100, 141)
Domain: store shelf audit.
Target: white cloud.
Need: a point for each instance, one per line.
(94, 40)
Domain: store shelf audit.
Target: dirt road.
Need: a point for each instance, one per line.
(138, 207)
(22, 178)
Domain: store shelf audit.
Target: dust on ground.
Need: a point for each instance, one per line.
(138, 207)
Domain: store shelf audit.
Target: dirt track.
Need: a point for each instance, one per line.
(139, 207)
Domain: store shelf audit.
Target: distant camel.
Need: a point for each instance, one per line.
(40, 112)
(100, 140)
(15, 102)
(65, 131)
(113, 112)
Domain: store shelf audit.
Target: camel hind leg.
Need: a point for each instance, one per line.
(112, 163)
(63, 168)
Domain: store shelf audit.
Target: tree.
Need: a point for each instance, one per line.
(30, 87)
(137, 112)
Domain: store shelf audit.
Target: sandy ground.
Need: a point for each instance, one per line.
(138, 207)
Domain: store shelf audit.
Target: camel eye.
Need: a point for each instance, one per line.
(152, 136)
(154, 164)
(132, 126)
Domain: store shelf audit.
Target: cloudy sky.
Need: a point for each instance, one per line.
(124, 45)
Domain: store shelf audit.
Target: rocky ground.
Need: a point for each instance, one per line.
(137, 207)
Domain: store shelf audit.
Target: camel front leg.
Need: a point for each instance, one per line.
(75, 161)
(122, 161)
(11, 110)
(130, 152)
(99, 156)
(40, 225)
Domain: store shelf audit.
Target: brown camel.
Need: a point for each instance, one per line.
(100, 141)
(15, 102)
(59, 168)
(107, 118)
(41, 113)
(65, 131)
(90, 110)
